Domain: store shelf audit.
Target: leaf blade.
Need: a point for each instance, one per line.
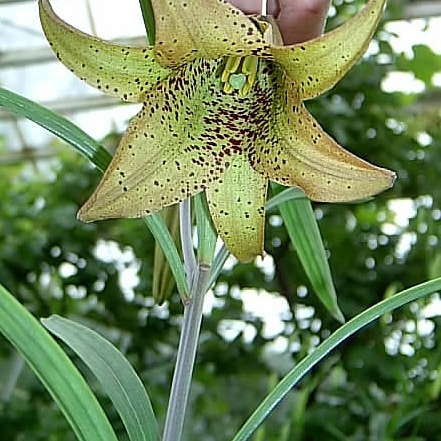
(55, 371)
(115, 374)
(341, 334)
(57, 125)
(298, 217)
(149, 20)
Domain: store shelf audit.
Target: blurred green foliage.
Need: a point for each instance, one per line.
(382, 384)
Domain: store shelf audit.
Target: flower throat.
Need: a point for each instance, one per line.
(238, 73)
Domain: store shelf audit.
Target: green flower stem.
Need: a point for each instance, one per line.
(198, 275)
(218, 264)
(174, 421)
(185, 226)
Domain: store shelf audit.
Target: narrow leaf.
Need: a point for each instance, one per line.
(304, 233)
(149, 20)
(218, 263)
(59, 126)
(54, 369)
(162, 235)
(115, 374)
(207, 236)
(345, 331)
(289, 194)
(163, 281)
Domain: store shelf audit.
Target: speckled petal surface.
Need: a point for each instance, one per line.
(219, 124)
(317, 65)
(188, 29)
(182, 141)
(298, 152)
(237, 206)
(120, 71)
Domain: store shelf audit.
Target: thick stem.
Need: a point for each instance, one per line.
(174, 421)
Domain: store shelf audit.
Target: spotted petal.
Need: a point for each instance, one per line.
(299, 153)
(188, 29)
(317, 65)
(121, 71)
(237, 206)
(182, 141)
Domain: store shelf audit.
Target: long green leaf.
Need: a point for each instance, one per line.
(162, 235)
(299, 220)
(59, 126)
(115, 374)
(52, 366)
(289, 194)
(149, 20)
(341, 334)
(100, 157)
(163, 282)
(207, 235)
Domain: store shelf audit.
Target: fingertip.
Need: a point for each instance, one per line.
(302, 20)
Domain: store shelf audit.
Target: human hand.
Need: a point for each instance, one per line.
(298, 20)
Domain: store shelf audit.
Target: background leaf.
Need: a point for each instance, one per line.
(115, 374)
(341, 334)
(300, 222)
(55, 371)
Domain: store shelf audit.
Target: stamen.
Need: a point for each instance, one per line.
(249, 65)
(239, 73)
(231, 66)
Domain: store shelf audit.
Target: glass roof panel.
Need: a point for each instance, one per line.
(28, 67)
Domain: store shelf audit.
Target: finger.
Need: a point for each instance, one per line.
(254, 6)
(301, 20)
(298, 20)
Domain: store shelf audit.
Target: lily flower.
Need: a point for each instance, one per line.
(222, 112)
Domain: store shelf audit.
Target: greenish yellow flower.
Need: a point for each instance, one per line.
(222, 113)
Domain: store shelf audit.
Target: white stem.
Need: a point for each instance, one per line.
(174, 421)
(264, 11)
